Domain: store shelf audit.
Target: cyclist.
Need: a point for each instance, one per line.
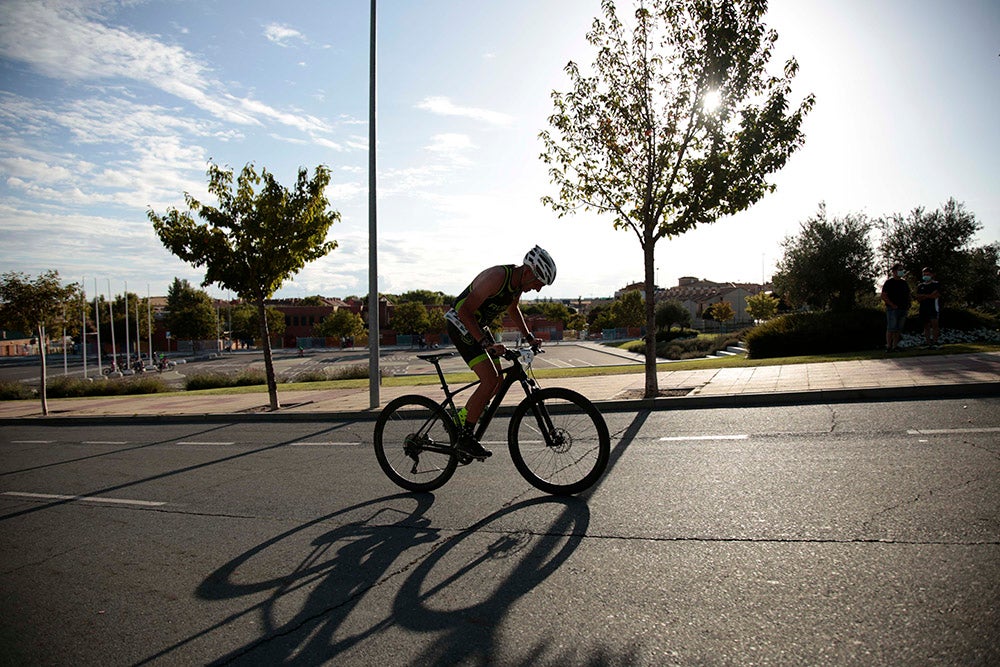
(496, 290)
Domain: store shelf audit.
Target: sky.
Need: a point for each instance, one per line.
(110, 108)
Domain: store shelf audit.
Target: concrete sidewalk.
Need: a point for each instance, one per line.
(940, 376)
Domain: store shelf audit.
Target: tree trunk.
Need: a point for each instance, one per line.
(41, 352)
(652, 387)
(265, 334)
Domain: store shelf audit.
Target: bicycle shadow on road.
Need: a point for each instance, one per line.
(389, 582)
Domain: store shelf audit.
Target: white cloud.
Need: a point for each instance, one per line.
(62, 40)
(282, 34)
(445, 107)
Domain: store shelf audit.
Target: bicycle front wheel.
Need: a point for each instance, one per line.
(559, 441)
(414, 443)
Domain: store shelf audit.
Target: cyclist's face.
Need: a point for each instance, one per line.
(532, 283)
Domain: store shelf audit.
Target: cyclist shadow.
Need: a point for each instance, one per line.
(346, 568)
(467, 618)
(328, 582)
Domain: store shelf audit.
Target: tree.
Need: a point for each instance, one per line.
(190, 315)
(246, 322)
(627, 311)
(426, 297)
(941, 239)
(341, 323)
(410, 318)
(762, 306)
(678, 126)
(32, 306)
(721, 312)
(260, 235)
(830, 264)
(670, 312)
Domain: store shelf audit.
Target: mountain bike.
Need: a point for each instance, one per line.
(557, 438)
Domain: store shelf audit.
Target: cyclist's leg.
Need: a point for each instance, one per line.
(488, 372)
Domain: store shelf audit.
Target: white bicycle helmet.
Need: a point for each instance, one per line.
(541, 265)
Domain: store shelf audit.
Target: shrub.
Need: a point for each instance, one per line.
(962, 319)
(309, 376)
(823, 332)
(69, 387)
(249, 377)
(11, 390)
(356, 372)
(207, 381)
(697, 347)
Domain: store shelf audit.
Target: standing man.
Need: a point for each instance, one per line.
(896, 295)
(496, 290)
(929, 297)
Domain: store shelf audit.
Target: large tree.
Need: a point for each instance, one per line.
(679, 124)
(829, 264)
(259, 235)
(942, 239)
(34, 306)
(190, 315)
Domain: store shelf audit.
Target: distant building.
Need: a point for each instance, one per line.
(698, 295)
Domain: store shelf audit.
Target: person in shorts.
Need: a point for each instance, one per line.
(929, 297)
(896, 296)
(496, 290)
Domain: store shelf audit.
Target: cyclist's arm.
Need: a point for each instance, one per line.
(515, 314)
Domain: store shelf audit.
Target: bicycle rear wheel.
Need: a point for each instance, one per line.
(414, 439)
(559, 441)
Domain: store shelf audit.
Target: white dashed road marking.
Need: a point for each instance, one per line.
(946, 431)
(681, 438)
(89, 499)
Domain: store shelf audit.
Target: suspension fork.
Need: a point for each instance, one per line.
(542, 417)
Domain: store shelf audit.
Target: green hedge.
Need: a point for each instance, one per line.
(798, 334)
(824, 332)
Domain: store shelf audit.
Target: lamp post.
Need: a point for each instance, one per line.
(374, 377)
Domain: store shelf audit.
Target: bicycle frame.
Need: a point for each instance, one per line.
(509, 375)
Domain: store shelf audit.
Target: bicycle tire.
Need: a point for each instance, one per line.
(579, 455)
(403, 425)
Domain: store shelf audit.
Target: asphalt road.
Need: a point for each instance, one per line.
(847, 534)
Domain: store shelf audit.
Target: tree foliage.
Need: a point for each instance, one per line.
(942, 239)
(190, 315)
(670, 312)
(341, 323)
(829, 264)
(35, 306)
(245, 322)
(762, 306)
(636, 139)
(629, 310)
(259, 235)
(410, 318)
(721, 311)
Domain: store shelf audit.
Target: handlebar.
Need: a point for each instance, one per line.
(524, 353)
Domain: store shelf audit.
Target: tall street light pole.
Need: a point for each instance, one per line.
(374, 376)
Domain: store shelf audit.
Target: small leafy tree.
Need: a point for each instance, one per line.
(341, 323)
(722, 311)
(410, 318)
(260, 235)
(762, 306)
(629, 309)
(33, 306)
(830, 264)
(670, 312)
(678, 125)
